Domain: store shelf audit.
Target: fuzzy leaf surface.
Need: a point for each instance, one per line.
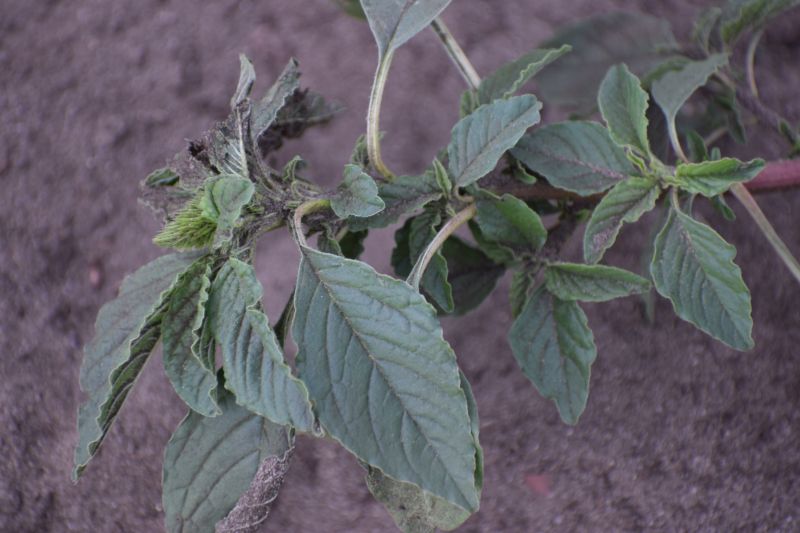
(510, 222)
(471, 274)
(210, 462)
(626, 202)
(402, 196)
(553, 344)
(255, 369)
(247, 77)
(393, 22)
(265, 111)
(126, 331)
(693, 267)
(227, 195)
(480, 139)
(576, 156)
(592, 283)
(384, 381)
(711, 178)
(357, 196)
(623, 104)
(191, 373)
(511, 77)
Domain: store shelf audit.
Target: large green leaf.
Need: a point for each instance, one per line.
(126, 331)
(577, 156)
(742, 16)
(711, 178)
(592, 283)
(209, 464)
(693, 267)
(393, 22)
(479, 140)
(265, 111)
(509, 222)
(626, 202)
(640, 41)
(471, 274)
(255, 369)
(623, 104)
(384, 382)
(189, 369)
(357, 195)
(510, 78)
(414, 510)
(402, 196)
(554, 346)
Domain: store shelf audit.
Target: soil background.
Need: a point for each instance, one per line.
(680, 434)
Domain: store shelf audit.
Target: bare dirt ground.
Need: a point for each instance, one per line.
(681, 434)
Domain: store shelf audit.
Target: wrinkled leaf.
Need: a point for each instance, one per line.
(126, 331)
(226, 196)
(357, 195)
(511, 77)
(576, 156)
(265, 111)
(247, 77)
(192, 375)
(210, 462)
(471, 274)
(592, 283)
(626, 202)
(623, 104)
(693, 267)
(711, 178)
(479, 140)
(255, 369)
(553, 344)
(384, 382)
(510, 222)
(402, 196)
(393, 22)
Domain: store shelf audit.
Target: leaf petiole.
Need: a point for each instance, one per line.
(456, 53)
(306, 208)
(374, 113)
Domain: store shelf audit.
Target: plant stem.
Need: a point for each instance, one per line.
(456, 53)
(374, 114)
(306, 208)
(676, 142)
(749, 203)
(451, 226)
(751, 62)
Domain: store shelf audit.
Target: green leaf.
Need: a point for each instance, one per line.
(711, 178)
(592, 283)
(553, 344)
(255, 369)
(510, 222)
(393, 22)
(402, 196)
(352, 8)
(623, 104)
(210, 462)
(162, 177)
(672, 90)
(479, 140)
(265, 111)
(226, 196)
(744, 16)
(384, 382)
(522, 284)
(576, 156)
(640, 41)
(471, 274)
(247, 77)
(441, 177)
(704, 24)
(126, 330)
(189, 369)
(357, 196)
(693, 267)
(510, 78)
(626, 202)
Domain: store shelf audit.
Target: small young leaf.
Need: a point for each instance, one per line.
(511, 77)
(711, 178)
(479, 140)
(693, 267)
(384, 382)
(393, 22)
(162, 177)
(265, 111)
(510, 222)
(441, 177)
(225, 196)
(126, 331)
(255, 369)
(626, 202)
(357, 196)
(575, 156)
(247, 77)
(471, 274)
(698, 151)
(402, 196)
(192, 375)
(553, 344)
(704, 25)
(623, 104)
(743, 16)
(640, 41)
(522, 283)
(192, 228)
(210, 462)
(592, 283)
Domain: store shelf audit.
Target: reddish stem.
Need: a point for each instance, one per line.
(776, 175)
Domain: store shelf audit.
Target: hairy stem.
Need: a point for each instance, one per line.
(749, 203)
(374, 114)
(306, 208)
(451, 226)
(456, 53)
